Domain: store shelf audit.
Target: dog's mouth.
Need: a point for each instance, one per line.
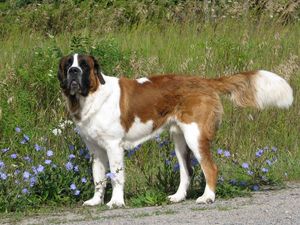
(74, 87)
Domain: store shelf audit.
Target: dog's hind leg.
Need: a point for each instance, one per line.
(183, 156)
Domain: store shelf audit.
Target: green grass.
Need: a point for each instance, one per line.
(31, 99)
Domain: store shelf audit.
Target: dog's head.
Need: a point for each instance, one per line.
(79, 75)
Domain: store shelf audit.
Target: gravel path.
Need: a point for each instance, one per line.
(265, 207)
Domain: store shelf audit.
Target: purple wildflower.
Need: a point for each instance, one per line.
(265, 170)
(17, 172)
(77, 192)
(26, 175)
(227, 154)
(194, 162)
(168, 162)
(81, 152)
(37, 147)
(245, 165)
(3, 176)
(157, 138)
(176, 167)
(13, 156)
(274, 149)
(71, 147)
(72, 156)
(18, 129)
(2, 164)
(40, 168)
(48, 161)
(269, 162)
(32, 181)
(87, 156)
(73, 186)
(249, 172)
(173, 153)
(76, 168)
(25, 191)
(83, 180)
(110, 175)
(69, 166)
(4, 150)
(233, 182)
(255, 187)
(27, 158)
(34, 170)
(25, 139)
(219, 151)
(259, 153)
(49, 153)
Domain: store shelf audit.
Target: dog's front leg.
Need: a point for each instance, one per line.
(100, 164)
(115, 155)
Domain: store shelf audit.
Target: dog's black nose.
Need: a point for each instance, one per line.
(74, 71)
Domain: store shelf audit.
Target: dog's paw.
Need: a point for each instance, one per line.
(115, 204)
(176, 197)
(92, 202)
(206, 199)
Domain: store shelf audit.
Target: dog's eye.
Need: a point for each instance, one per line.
(84, 65)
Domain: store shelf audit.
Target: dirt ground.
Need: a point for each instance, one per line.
(264, 207)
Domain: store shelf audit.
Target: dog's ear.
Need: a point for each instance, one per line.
(97, 71)
(60, 72)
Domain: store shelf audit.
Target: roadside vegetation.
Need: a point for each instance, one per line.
(43, 161)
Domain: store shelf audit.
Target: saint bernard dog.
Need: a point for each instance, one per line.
(114, 114)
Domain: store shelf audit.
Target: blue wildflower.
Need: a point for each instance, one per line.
(168, 162)
(18, 129)
(233, 181)
(81, 152)
(37, 147)
(27, 158)
(227, 154)
(32, 181)
(33, 168)
(76, 168)
(259, 153)
(264, 170)
(176, 167)
(173, 153)
(83, 180)
(255, 187)
(3, 176)
(25, 191)
(274, 149)
(77, 131)
(130, 153)
(2, 164)
(243, 183)
(4, 150)
(48, 161)
(71, 147)
(26, 175)
(69, 166)
(249, 172)
(220, 151)
(17, 172)
(25, 139)
(157, 138)
(49, 153)
(245, 165)
(77, 192)
(40, 168)
(13, 156)
(72, 156)
(194, 162)
(269, 162)
(110, 175)
(87, 156)
(73, 186)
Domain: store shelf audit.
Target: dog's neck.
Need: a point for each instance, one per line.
(81, 107)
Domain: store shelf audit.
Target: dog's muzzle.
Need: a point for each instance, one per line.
(74, 74)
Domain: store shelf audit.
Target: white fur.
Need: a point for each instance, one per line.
(75, 63)
(142, 80)
(181, 151)
(207, 197)
(272, 90)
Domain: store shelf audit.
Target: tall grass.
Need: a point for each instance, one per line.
(31, 99)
